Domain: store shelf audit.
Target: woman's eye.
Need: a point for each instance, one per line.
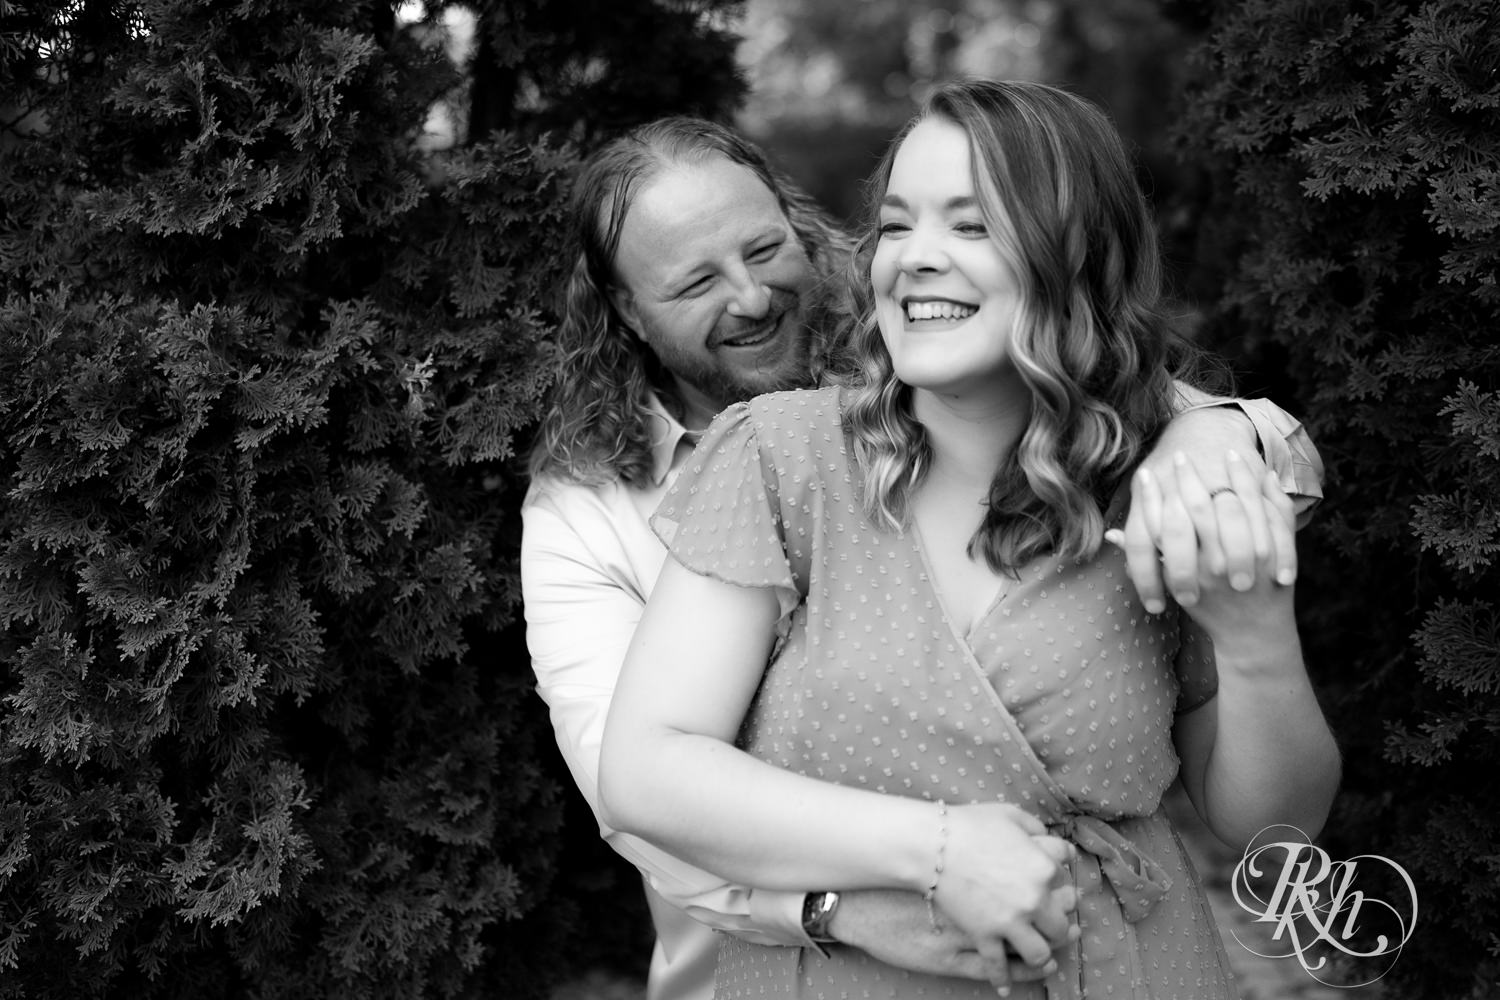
(893, 228)
(971, 229)
(696, 288)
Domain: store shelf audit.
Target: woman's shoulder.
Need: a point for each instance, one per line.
(796, 420)
(795, 404)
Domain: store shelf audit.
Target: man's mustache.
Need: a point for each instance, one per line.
(782, 302)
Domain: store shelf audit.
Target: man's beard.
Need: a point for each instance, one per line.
(728, 383)
(731, 385)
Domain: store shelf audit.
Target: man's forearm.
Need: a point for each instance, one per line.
(896, 927)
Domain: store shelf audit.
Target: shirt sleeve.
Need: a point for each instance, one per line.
(581, 612)
(1289, 453)
(723, 516)
(1284, 444)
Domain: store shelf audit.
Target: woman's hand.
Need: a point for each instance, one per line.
(1004, 883)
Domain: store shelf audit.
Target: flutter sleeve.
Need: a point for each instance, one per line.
(723, 518)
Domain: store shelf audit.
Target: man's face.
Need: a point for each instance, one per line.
(712, 278)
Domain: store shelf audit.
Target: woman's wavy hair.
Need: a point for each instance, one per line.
(1059, 196)
(596, 427)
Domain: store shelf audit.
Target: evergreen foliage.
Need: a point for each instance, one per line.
(266, 722)
(1357, 223)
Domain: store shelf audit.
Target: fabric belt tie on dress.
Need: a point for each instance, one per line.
(1136, 883)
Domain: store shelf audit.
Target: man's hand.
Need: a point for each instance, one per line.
(1163, 553)
(895, 927)
(1238, 604)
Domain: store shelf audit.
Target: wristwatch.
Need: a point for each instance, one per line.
(818, 909)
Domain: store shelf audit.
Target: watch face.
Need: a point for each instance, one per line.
(817, 911)
(812, 903)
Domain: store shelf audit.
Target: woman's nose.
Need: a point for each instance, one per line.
(922, 250)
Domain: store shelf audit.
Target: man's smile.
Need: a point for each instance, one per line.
(760, 334)
(754, 337)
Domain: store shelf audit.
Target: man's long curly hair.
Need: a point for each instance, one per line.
(1060, 199)
(597, 427)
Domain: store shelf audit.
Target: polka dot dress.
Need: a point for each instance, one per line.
(1060, 700)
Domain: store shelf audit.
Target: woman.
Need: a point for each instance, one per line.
(920, 559)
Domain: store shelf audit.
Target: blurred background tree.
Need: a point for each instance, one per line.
(832, 81)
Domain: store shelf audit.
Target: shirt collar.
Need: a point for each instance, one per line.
(666, 433)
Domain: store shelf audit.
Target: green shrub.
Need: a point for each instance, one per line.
(1357, 225)
(266, 719)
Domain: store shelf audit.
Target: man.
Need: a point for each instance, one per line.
(703, 278)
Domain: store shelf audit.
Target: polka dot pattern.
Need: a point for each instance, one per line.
(1060, 700)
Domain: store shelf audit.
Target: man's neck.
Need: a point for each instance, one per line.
(698, 409)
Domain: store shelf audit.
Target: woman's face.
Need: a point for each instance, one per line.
(946, 298)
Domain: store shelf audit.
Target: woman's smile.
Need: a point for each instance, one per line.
(924, 313)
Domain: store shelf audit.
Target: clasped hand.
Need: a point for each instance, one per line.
(1228, 556)
(1005, 883)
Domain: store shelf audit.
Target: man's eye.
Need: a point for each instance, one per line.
(765, 252)
(696, 288)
